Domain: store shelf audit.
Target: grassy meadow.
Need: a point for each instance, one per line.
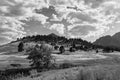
(78, 65)
(99, 72)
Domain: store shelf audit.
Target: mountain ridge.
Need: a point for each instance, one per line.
(109, 41)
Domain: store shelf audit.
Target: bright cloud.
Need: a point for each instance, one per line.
(58, 27)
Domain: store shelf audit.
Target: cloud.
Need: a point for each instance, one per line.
(3, 40)
(81, 30)
(81, 17)
(84, 14)
(77, 18)
(94, 3)
(12, 15)
(59, 28)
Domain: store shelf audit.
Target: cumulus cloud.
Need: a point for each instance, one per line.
(92, 13)
(12, 15)
(59, 28)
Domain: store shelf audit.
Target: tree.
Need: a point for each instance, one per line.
(20, 47)
(97, 51)
(56, 47)
(62, 49)
(40, 57)
(107, 49)
(72, 49)
(74, 45)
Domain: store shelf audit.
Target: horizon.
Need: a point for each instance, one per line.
(56, 35)
(85, 19)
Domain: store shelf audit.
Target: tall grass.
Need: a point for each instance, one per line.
(100, 72)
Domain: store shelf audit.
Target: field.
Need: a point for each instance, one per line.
(103, 68)
(99, 72)
(87, 65)
(76, 58)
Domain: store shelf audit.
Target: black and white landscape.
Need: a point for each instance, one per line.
(59, 40)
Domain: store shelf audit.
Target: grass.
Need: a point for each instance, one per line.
(107, 69)
(99, 72)
(94, 69)
(100, 69)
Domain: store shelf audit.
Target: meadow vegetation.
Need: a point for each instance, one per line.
(43, 52)
(99, 72)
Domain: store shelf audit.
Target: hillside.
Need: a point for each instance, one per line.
(117, 36)
(56, 40)
(9, 48)
(109, 41)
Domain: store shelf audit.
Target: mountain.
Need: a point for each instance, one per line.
(53, 38)
(117, 36)
(53, 35)
(109, 41)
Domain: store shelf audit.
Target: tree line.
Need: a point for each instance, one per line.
(73, 43)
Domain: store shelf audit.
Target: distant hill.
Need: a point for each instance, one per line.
(53, 35)
(117, 36)
(53, 38)
(109, 41)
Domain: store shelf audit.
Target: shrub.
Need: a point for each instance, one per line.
(107, 49)
(72, 49)
(66, 65)
(20, 47)
(41, 57)
(62, 49)
(15, 65)
(97, 51)
(56, 47)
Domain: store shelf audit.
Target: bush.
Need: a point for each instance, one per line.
(15, 65)
(56, 47)
(11, 74)
(72, 49)
(20, 47)
(107, 50)
(41, 57)
(62, 49)
(66, 65)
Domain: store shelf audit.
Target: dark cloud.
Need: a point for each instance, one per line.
(47, 11)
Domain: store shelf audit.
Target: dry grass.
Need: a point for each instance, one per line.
(100, 72)
(106, 69)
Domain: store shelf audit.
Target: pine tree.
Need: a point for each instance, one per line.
(62, 49)
(20, 47)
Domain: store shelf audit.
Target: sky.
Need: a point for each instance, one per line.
(86, 19)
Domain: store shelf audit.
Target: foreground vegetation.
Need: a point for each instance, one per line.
(100, 72)
(69, 71)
